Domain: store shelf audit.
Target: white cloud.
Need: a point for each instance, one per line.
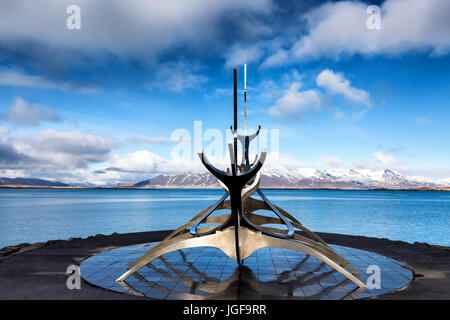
(136, 27)
(335, 83)
(332, 161)
(132, 167)
(4, 133)
(295, 103)
(360, 164)
(339, 28)
(71, 157)
(270, 90)
(238, 55)
(16, 78)
(152, 140)
(177, 77)
(341, 116)
(24, 114)
(11, 77)
(75, 157)
(139, 161)
(387, 161)
(146, 162)
(280, 57)
(380, 161)
(64, 149)
(10, 158)
(254, 29)
(280, 161)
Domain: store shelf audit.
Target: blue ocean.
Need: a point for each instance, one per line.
(35, 215)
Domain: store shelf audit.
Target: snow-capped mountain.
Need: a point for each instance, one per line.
(304, 178)
(180, 180)
(30, 182)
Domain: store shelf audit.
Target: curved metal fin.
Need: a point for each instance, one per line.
(193, 228)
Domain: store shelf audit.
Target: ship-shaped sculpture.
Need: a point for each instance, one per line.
(242, 231)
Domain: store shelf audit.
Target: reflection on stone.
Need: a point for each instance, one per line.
(242, 284)
(206, 273)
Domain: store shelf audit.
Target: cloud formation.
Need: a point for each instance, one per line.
(23, 114)
(16, 78)
(332, 161)
(335, 83)
(295, 103)
(134, 27)
(339, 28)
(65, 156)
(10, 158)
(239, 54)
(59, 149)
(152, 140)
(146, 34)
(141, 161)
(146, 162)
(177, 77)
(380, 161)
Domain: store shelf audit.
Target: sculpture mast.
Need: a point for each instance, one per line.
(235, 119)
(245, 99)
(234, 169)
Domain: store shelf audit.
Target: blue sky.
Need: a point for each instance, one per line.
(101, 104)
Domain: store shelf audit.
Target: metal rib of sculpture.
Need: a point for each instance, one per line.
(242, 231)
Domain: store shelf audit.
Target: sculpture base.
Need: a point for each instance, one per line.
(270, 273)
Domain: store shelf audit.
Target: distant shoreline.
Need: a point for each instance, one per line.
(215, 188)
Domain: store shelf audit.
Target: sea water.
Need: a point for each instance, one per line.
(35, 215)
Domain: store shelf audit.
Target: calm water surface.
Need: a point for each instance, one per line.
(32, 215)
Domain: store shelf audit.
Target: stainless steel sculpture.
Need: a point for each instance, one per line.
(242, 232)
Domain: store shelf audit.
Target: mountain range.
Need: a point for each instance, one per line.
(31, 182)
(303, 178)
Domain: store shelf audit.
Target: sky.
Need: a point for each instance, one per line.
(128, 94)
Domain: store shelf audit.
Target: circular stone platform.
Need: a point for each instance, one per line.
(269, 273)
